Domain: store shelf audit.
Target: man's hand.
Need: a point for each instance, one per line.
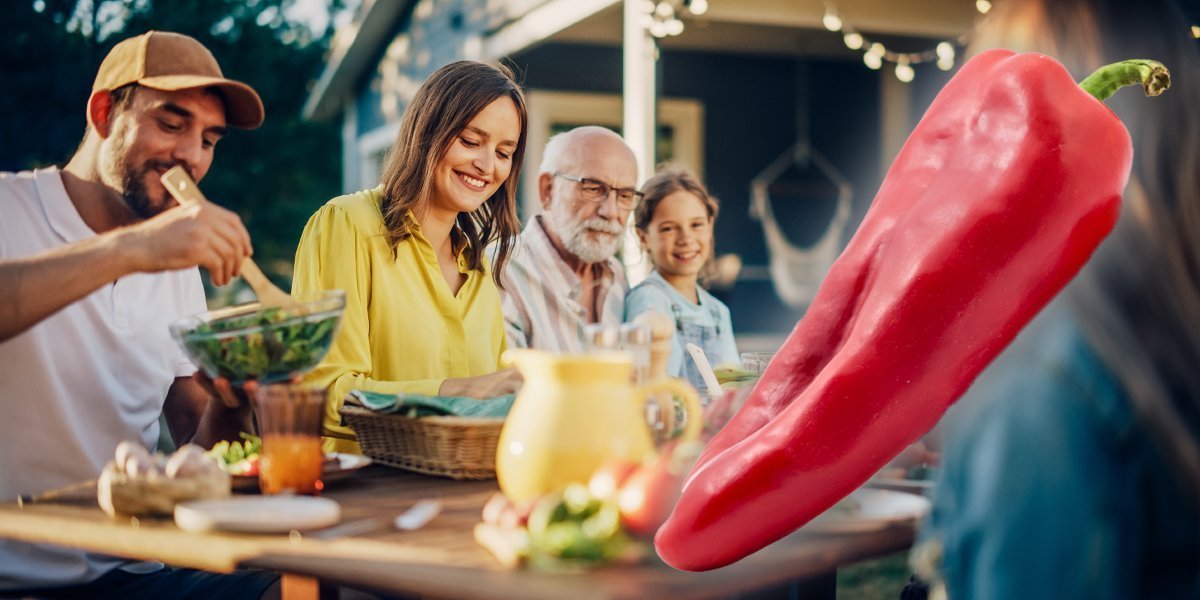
(233, 398)
(202, 234)
(199, 413)
(506, 381)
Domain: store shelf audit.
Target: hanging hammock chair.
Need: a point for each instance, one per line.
(796, 272)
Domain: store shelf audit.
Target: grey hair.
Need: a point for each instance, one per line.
(553, 152)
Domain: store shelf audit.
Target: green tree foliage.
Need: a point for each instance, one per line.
(275, 177)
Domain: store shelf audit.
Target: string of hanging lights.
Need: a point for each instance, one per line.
(661, 18)
(875, 53)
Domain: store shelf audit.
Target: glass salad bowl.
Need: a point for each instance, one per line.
(266, 344)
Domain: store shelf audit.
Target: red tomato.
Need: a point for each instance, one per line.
(609, 477)
(649, 495)
(251, 469)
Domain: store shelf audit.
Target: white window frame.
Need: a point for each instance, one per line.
(372, 147)
(685, 116)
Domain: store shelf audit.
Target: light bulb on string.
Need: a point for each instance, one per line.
(983, 6)
(904, 71)
(658, 29)
(945, 50)
(831, 21)
(698, 7)
(665, 10)
(648, 6)
(674, 27)
(875, 54)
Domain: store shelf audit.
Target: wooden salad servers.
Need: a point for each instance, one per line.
(185, 191)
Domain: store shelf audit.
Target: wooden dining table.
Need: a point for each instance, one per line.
(441, 559)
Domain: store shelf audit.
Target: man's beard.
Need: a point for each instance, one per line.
(133, 183)
(574, 234)
(135, 194)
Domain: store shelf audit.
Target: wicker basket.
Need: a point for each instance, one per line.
(455, 447)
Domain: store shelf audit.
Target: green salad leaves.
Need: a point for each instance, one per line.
(268, 345)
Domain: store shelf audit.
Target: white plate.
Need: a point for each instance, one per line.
(257, 514)
(912, 486)
(346, 464)
(876, 509)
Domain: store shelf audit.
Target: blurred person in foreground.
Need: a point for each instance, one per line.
(422, 306)
(96, 259)
(1071, 469)
(564, 275)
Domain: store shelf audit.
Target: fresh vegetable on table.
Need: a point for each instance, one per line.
(238, 457)
(732, 377)
(566, 530)
(607, 520)
(998, 198)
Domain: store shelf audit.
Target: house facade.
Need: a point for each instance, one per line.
(786, 123)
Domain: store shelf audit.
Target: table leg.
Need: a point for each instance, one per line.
(299, 587)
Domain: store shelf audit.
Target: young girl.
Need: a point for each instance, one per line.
(675, 225)
(422, 309)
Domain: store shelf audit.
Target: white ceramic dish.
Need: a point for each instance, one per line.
(258, 514)
(874, 509)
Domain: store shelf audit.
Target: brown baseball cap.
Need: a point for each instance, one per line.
(172, 62)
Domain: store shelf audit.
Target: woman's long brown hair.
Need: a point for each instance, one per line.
(441, 109)
(1139, 296)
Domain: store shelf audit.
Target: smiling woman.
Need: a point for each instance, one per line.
(422, 305)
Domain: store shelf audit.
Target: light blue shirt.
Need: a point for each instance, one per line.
(706, 324)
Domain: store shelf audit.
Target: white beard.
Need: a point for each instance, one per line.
(574, 234)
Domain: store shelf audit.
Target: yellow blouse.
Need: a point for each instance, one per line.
(403, 331)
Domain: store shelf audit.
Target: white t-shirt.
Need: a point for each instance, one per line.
(79, 382)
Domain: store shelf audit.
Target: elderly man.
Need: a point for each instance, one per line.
(563, 275)
(95, 261)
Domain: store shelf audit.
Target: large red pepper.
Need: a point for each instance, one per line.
(999, 196)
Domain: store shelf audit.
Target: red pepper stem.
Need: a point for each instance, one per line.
(1150, 74)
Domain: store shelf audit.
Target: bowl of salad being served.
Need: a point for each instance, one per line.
(266, 344)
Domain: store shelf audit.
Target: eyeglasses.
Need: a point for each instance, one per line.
(598, 191)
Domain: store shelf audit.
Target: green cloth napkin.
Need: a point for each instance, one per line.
(416, 405)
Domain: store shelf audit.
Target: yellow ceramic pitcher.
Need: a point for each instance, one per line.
(573, 413)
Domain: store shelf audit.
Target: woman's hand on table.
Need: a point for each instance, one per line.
(506, 381)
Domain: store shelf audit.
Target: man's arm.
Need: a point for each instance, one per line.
(35, 287)
(195, 415)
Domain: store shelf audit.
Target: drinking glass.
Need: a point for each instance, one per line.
(289, 421)
(756, 362)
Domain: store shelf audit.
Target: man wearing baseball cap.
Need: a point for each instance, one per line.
(96, 260)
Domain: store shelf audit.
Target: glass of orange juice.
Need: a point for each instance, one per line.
(289, 422)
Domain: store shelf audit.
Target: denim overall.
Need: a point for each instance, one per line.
(708, 337)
